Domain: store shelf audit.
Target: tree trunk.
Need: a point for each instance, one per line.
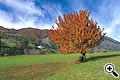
(82, 58)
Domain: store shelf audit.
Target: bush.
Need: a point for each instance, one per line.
(98, 51)
(104, 51)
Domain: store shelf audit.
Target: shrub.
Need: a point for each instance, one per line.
(104, 51)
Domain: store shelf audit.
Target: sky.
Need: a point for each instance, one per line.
(42, 13)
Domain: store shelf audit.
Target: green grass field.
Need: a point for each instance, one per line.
(58, 67)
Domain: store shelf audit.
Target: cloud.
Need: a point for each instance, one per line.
(114, 18)
(24, 6)
(53, 9)
(22, 16)
(6, 20)
(109, 18)
(119, 36)
(25, 13)
(105, 12)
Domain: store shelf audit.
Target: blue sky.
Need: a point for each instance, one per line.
(42, 13)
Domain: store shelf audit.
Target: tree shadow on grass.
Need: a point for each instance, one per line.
(101, 57)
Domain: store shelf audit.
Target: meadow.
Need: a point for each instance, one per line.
(58, 67)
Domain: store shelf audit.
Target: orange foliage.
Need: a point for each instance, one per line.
(76, 32)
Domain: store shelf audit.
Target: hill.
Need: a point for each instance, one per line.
(108, 44)
(35, 33)
(31, 32)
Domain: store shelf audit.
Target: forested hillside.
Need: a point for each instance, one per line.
(30, 38)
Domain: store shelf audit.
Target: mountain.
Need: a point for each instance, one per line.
(35, 33)
(112, 40)
(31, 32)
(108, 44)
(6, 30)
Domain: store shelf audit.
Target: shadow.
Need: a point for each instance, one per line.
(101, 57)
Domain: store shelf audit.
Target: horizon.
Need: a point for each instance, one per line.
(42, 14)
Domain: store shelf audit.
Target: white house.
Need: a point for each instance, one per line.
(40, 46)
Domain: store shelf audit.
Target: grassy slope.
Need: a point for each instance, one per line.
(58, 67)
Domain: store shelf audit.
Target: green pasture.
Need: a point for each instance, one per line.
(58, 67)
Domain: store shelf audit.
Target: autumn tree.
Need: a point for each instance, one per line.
(76, 33)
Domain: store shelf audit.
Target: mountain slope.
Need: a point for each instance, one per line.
(108, 44)
(35, 33)
(31, 32)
